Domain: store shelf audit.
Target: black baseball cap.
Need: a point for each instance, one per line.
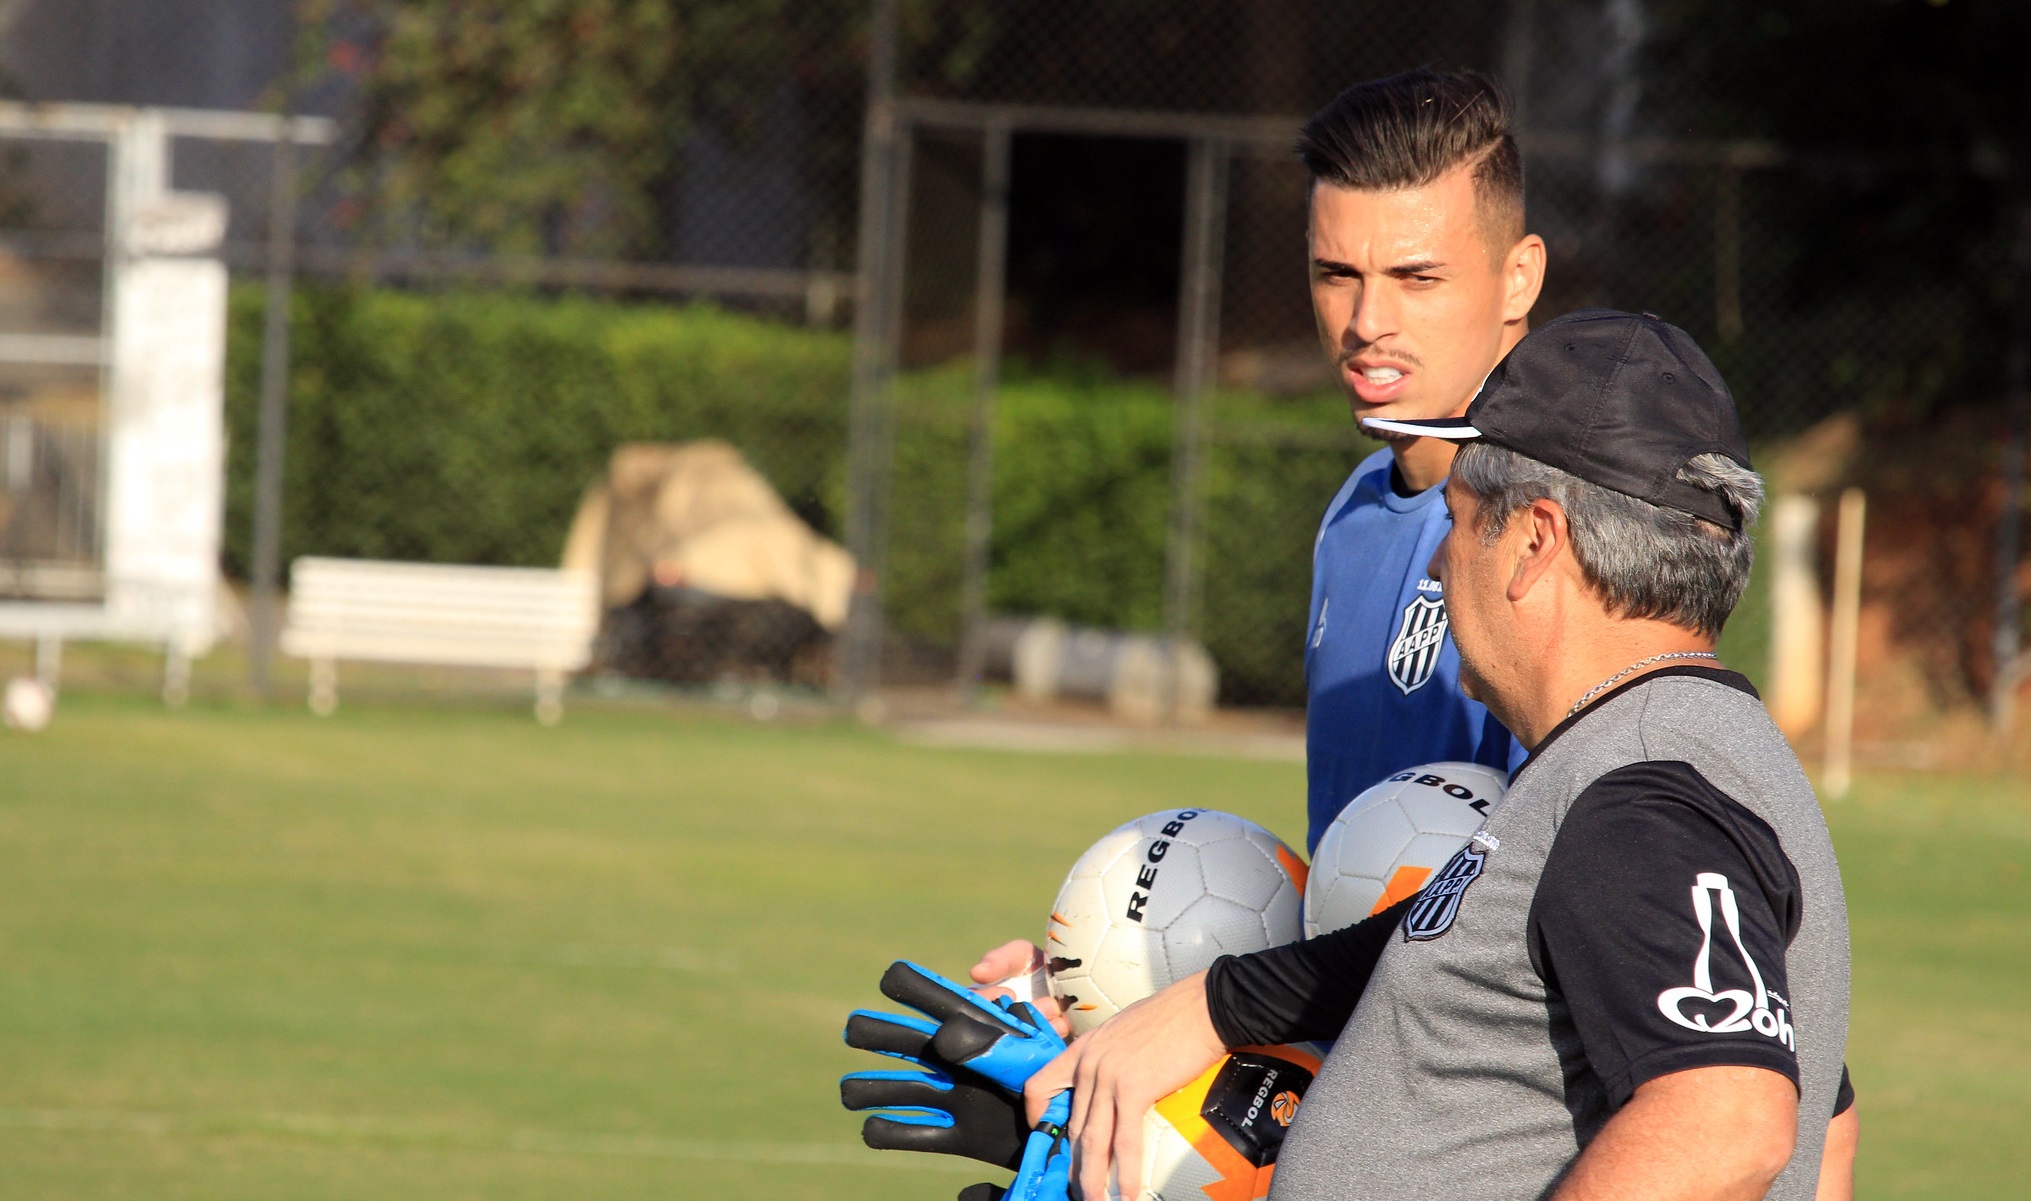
(1622, 400)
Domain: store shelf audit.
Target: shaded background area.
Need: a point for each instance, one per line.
(543, 232)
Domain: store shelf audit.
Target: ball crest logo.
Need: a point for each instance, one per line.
(1218, 1138)
(1284, 1107)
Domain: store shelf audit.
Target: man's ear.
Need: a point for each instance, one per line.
(1542, 540)
(1522, 277)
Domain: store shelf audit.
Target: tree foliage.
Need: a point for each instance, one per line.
(556, 126)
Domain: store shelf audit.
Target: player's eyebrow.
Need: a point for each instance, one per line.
(1399, 271)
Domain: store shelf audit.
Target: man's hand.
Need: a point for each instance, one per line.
(1131, 1061)
(1015, 958)
(1704, 1134)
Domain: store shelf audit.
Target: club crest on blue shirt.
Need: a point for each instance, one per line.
(1419, 639)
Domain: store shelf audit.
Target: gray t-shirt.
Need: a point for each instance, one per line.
(1537, 981)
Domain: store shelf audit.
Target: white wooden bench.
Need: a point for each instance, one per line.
(513, 617)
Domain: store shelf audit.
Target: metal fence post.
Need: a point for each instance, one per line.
(859, 644)
(272, 439)
(888, 358)
(1519, 46)
(2007, 641)
(2009, 655)
(1728, 250)
(989, 294)
(1198, 341)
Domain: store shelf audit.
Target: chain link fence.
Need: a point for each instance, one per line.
(1775, 257)
(1028, 335)
(52, 201)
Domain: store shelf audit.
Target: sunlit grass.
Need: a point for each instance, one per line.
(448, 953)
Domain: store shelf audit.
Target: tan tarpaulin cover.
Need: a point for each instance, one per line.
(694, 514)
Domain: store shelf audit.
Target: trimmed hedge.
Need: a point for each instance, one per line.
(465, 427)
(1081, 510)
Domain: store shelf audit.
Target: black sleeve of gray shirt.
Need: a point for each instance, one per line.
(1660, 926)
(1298, 992)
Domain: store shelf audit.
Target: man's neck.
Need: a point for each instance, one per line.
(1583, 664)
(1423, 462)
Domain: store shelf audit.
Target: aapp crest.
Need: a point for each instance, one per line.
(1438, 902)
(1419, 639)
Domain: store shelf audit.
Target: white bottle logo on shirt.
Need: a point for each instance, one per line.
(1749, 1007)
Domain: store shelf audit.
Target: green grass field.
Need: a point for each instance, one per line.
(448, 954)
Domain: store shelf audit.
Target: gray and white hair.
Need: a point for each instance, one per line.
(1644, 560)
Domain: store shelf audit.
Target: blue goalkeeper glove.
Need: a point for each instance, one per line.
(1003, 1040)
(934, 1105)
(1045, 1173)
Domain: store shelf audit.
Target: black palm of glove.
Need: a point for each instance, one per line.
(936, 1107)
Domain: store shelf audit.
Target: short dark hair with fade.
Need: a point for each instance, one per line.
(1407, 130)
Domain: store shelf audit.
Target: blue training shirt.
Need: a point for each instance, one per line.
(1381, 673)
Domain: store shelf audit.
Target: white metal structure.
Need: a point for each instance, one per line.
(160, 351)
(513, 617)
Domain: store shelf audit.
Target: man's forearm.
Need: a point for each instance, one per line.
(1837, 1165)
(1306, 990)
(1706, 1134)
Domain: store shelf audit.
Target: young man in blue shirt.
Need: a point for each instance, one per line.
(1422, 278)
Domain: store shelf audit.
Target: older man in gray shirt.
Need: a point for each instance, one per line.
(1633, 980)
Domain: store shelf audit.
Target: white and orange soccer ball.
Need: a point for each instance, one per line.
(1162, 897)
(1217, 1138)
(1392, 837)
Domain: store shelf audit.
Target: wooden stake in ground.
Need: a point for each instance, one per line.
(1797, 675)
(1840, 689)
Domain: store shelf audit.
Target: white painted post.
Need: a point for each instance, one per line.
(49, 660)
(324, 686)
(175, 674)
(549, 696)
(166, 446)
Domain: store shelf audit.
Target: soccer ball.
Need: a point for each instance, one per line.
(1218, 1137)
(1388, 840)
(1161, 898)
(28, 704)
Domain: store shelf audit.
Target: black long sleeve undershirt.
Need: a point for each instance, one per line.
(1611, 923)
(1299, 992)
(1306, 991)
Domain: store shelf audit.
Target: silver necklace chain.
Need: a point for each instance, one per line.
(1596, 689)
